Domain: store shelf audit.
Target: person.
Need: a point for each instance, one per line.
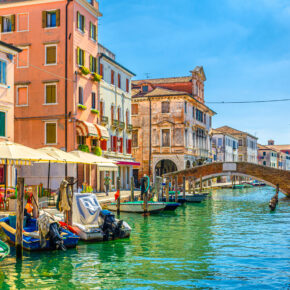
(107, 183)
(144, 185)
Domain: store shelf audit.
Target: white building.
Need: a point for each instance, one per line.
(115, 114)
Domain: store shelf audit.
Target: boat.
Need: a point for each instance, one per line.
(241, 186)
(197, 197)
(31, 235)
(171, 206)
(4, 250)
(138, 206)
(257, 183)
(180, 200)
(91, 223)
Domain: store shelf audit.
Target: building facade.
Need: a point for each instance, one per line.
(8, 54)
(115, 115)
(56, 80)
(171, 124)
(225, 147)
(267, 156)
(248, 150)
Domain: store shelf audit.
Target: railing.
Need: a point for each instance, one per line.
(104, 120)
(121, 125)
(115, 123)
(129, 127)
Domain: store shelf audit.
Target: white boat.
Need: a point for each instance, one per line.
(90, 222)
(138, 206)
(197, 197)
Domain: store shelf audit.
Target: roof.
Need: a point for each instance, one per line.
(263, 147)
(216, 131)
(229, 130)
(280, 147)
(9, 46)
(102, 55)
(164, 80)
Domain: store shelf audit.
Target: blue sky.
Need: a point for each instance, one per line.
(243, 45)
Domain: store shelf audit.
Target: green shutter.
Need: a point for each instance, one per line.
(78, 56)
(1, 23)
(91, 30)
(91, 63)
(84, 23)
(78, 21)
(50, 133)
(2, 124)
(44, 15)
(84, 63)
(50, 55)
(95, 59)
(13, 22)
(57, 12)
(95, 33)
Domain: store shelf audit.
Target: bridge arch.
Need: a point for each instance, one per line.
(271, 176)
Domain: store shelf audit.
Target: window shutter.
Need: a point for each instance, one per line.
(1, 23)
(2, 124)
(53, 94)
(78, 55)
(57, 12)
(91, 30)
(95, 32)
(91, 63)
(83, 58)
(13, 22)
(50, 133)
(48, 94)
(44, 15)
(84, 23)
(78, 20)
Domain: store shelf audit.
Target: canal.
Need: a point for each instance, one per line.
(230, 241)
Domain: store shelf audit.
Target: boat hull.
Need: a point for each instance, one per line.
(197, 198)
(138, 207)
(171, 206)
(4, 250)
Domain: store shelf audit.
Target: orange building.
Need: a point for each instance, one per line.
(56, 85)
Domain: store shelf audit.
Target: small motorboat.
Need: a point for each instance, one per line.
(197, 197)
(92, 223)
(138, 206)
(57, 237)
(4, 250)
(257, 183)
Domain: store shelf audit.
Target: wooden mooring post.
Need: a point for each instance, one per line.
(167, 190)
(119, 197)
(274, 200)
(70, 195)
(132, 188)
(176, 189)
(35, 202)
(19, 217)
(183, 186)
(200, 184)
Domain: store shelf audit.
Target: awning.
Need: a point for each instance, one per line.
(107, 167)
(125, 162)
(103, 132)
(84, 128)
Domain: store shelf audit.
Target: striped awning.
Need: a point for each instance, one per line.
(103, 132)
(87, 129)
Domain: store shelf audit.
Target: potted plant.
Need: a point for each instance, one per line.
(95, 111)
(84, 70)
(96, 77)
(98, 151)
(12, 203)
(84, 148)
(82, 107)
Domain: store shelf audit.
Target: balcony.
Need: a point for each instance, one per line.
(115, 123)
(104, 120)
(129, 127)
(121, 125)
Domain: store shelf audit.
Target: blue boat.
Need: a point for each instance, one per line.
(31, 238)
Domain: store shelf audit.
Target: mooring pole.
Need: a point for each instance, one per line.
(119, 197)
(70, 195)
(183, 186)
(145, 204)
(35, 202)
(200, 184)
(167, 190)
(19, 217)
(132, 188)
(176, 188)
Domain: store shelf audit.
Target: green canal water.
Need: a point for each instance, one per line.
(231, 241)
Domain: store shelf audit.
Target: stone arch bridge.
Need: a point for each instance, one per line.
(271, 176)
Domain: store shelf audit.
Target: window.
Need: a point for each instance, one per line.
(264, 153)
(119, 81)
(240, 142)
(80, 57)
(165, 135)
(119, 114)
(50, 133)
(134, 108)
(50, 94)
(81, 140)
(22, 96)
(186, 138)
(165, 107)
(50, 54)
(22, 22)
(101, 69)
(264, 163)
(144, 88)
(93, 100)
(127, 85)
(199, 115)
(129, 146)
(112, 77)
(102, 106)
(185, 107)
(112, 113)
(2, 124)
(135, 138)
(93, 64)
(81, 95)
(93, 31)
(193, 112)
(127, 117)
(2, 72)
(220, 142)
(80, 22)
(50, 19)
(7, 23)
(23, 58)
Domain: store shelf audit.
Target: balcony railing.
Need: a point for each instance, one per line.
(104, 120)
(121, 125)
(129, 127)
(115, 123)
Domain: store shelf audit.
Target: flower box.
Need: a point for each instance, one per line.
(94, 111)
(82, 107)
(84, 70)
(97, 77)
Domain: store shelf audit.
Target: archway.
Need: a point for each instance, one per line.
(165, 166)
(187, 164)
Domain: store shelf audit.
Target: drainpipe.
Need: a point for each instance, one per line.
(150, 135)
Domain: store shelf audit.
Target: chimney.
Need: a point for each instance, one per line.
(271, 142)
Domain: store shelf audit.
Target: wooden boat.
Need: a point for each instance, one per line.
(197, 197)
(171, 206)
(92, 223)
(181, 200)
(241, 186)
(257, 183)
(138, 206)
(31, 237)
(4, 250)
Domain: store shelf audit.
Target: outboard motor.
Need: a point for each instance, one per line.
(55, 238)
(111, 228)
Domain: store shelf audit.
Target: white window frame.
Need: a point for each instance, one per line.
(50, 122)
(45, 52)
(48, 27)
(49, 104)
(1, 84)
(25, 13)
(161, 143)
(6, 125)
(18, 87)
(7, 32)
(26, 47)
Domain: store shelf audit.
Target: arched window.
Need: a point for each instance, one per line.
(127, 117)
(112, 113)
(187, 164)
(119, 114)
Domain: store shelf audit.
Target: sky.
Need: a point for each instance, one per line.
(243, 46)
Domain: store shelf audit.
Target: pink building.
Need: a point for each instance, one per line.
(56, 85)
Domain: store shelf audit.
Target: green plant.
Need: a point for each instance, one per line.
(96, 77)
(94, 111)
(84, 70)
(84, 148)
(13, 196)
(82, 107)
(98, 151)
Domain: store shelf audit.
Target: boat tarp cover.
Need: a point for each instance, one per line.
(86, 209)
